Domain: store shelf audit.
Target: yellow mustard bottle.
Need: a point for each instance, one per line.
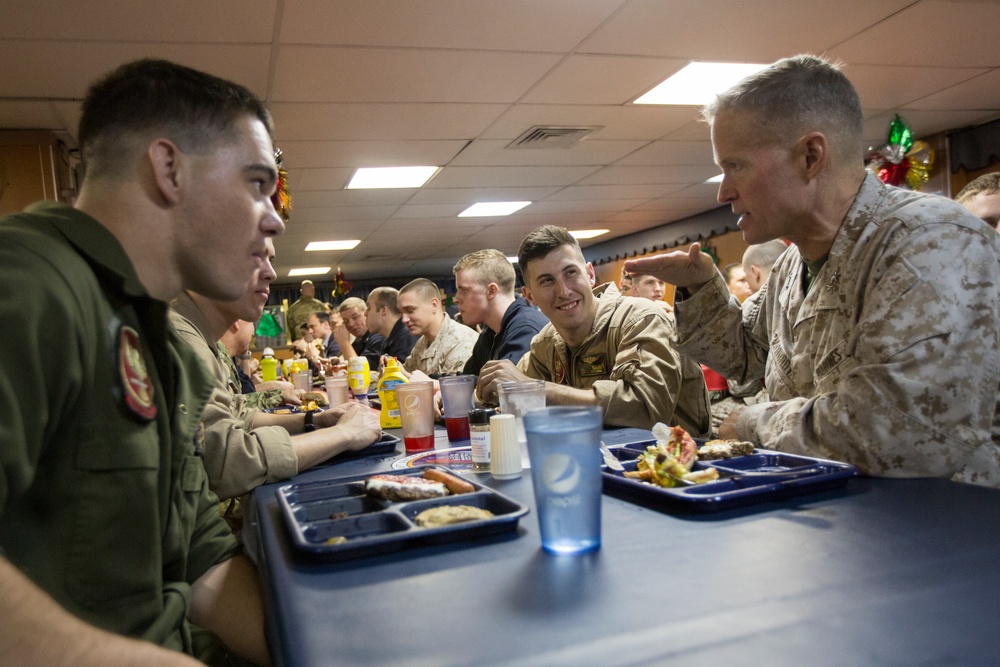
(268, 368)
(389, 417)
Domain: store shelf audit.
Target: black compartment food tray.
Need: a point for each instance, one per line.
(376, 526)
(743, 480)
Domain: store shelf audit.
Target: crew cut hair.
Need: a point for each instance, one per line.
(147, 98)
(353, 302)
(795, 96)
(988, 183)
(764, 255)
(385, 297)
(490, 266)
(425, 289)
(541, 242)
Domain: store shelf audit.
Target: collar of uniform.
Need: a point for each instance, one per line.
(187, 308)
(866, 203)
(95, 242)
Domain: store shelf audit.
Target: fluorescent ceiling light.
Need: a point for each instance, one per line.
(492, 208)
(312, 271)
(698, 83)
(714, 179)
(332, 245)
(391, 177)
(513, 259)
(587, 233)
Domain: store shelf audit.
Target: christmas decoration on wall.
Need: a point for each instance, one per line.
(282, 198)
(340, 285)
(902, 161)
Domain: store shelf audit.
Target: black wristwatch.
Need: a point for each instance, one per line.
(309, 427)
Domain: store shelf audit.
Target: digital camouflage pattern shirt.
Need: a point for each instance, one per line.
(892, 359)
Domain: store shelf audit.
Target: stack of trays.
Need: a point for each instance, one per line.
(316, 512)
(744, 480)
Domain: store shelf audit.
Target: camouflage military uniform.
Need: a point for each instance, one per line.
(628, 360)
(299, 312)
(257, 400)
(451, 348)
(892, 359)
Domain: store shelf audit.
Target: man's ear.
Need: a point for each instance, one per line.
(234, 328)
(591, 275)
(492, 290)
(814, 152)
(526, 293)
(167, 162)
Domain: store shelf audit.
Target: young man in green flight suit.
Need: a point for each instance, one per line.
(112, 547)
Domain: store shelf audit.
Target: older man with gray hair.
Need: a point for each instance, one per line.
(877, 345)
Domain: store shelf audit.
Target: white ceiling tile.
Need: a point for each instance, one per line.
(353, 154)
(478, 177)
(165, 21)
(520, 25)
(735, 29)
(918, 34)
(650, 175)
(587, 79)
(671, 153)
(590, 151)
(345, 74)
(885, 87)
(618, 122)
(382, 121)
(471, 195)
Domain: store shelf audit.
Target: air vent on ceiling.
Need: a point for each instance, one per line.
(552, 136)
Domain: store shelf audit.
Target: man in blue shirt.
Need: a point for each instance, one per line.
(485, 296)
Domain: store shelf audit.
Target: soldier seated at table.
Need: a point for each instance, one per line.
(599, 348)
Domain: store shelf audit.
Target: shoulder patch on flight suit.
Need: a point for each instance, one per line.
(137, 390)
(592, 365)
(558, 371)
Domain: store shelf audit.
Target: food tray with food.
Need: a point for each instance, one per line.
(362, 515)
(730, 478)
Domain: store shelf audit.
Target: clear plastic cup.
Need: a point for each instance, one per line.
(564, 445)
(456, 395)
(416, 409)
(302, 380)
(338, 391)
(519, 398)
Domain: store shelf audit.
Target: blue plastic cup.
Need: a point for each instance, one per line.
(564, 447)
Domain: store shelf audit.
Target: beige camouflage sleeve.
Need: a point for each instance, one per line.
(917, 392)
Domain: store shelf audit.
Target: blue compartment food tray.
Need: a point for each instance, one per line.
(317, 511)
(743, 480)
(387, 444)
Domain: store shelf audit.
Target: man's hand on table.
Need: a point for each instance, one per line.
(492, 374)
(689, 270)
(727, 429)
(359, 425)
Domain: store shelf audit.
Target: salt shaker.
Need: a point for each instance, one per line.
(479, 432)
(505, 453)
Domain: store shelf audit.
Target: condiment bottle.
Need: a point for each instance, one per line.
(358, 376)
(505, 453)
(389, 417)
(268, 367)
(479, 435)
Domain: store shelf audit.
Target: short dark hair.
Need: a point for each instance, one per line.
(193, 109)
(321, 316)
(385, 297)
(425, 289)
(988, 183)
(541, 242)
